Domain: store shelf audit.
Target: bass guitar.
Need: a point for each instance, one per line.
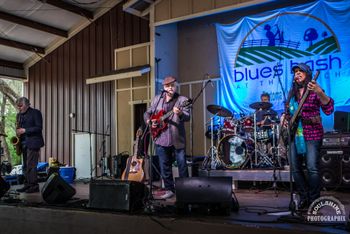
(158, 120)
(134, 166)
(293, 123)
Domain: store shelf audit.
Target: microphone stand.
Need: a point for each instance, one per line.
(145, 133)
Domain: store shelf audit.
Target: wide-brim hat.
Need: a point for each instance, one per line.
(302, 66)
(168, 80)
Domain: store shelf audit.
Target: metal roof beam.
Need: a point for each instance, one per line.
(70, 7)
(22, 46)
(11, 64)
(32, 24)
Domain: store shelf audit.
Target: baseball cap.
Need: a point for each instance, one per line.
(303, 67)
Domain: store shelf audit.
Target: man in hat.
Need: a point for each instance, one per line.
(29, 131)
(307, 140)
(169, 141)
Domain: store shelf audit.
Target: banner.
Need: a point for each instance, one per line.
(257, 53)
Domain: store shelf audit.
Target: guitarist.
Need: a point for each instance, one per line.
(171, 140)
(307, 139)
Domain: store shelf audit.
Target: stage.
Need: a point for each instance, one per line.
(28, 213)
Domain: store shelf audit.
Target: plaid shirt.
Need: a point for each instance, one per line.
(313, 130)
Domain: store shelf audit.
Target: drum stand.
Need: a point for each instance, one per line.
(273, 162)
(264, 159)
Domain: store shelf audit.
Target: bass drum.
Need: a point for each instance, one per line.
(235, 151)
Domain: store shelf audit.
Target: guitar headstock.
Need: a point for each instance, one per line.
(186, 103)
(139, 132)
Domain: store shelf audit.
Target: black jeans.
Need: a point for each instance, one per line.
(166, 159)
(309, 188)
(29, 166)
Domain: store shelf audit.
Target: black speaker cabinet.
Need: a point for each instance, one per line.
(335, 167)
(56, 190)
(205, 192)
(4, 187)
(117, 195)
(345, 179)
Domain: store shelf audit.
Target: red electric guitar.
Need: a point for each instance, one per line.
(158, 120)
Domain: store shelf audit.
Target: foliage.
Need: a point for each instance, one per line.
(10, 117)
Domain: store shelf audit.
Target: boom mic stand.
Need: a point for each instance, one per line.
(146, 132)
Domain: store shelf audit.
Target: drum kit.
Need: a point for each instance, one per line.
(240, 143)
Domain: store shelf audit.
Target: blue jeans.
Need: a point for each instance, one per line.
(309, 188)
(166, 159)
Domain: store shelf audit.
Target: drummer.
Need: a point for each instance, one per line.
(266, 117)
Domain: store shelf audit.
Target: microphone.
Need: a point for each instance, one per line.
(207, 76)
(163, 91)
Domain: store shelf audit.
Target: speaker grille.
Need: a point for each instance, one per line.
(335, 167)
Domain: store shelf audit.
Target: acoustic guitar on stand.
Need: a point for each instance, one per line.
(134, 166)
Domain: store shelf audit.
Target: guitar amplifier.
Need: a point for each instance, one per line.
(336, 139)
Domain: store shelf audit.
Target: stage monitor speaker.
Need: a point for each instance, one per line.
(57, 190)
(117, 195)
(211, 192)
(4, 187)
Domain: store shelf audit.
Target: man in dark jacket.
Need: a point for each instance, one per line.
(29, 124)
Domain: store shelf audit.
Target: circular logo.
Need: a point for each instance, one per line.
(326, 209)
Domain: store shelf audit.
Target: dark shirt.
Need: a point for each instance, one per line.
(32, 122)
(270, 116)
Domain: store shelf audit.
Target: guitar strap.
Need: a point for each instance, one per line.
(172, 102)
(299, 137)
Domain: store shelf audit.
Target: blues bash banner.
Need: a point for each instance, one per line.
(257, 53)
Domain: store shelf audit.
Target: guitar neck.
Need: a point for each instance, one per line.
(136, 146)
(301, 103)
(167, 115)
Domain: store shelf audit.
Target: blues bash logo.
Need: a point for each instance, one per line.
(257, 53)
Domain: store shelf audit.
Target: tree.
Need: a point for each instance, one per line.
(10, 90)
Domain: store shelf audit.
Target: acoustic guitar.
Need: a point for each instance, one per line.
(158, 120)
(134, 166)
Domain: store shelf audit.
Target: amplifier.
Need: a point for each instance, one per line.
(336, 139)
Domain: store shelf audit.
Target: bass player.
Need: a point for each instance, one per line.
(307, 138)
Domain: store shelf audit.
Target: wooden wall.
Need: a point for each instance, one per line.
(57, 83)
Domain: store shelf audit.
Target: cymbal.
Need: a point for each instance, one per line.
(260, 105)
(219, 110)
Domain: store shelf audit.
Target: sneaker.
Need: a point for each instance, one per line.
(167, 194)
(33, 189)
(23, 189)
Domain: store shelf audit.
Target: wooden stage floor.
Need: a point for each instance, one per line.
(30, 214)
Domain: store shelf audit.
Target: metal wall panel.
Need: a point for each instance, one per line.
(57, 84)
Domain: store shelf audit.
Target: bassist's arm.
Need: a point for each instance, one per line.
(327, 103)
(313, 86)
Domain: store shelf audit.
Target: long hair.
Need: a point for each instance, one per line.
(294, 91)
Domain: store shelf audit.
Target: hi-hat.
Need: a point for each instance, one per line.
(219, 110)
(260, 105)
